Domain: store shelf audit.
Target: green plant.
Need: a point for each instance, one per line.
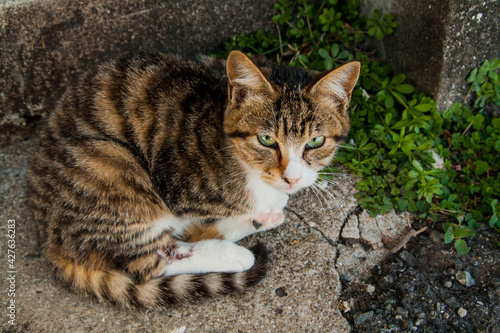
(397, 134)
(471, 145)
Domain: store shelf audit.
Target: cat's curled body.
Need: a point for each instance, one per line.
(151, 167)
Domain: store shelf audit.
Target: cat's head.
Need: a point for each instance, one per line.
(286, 123)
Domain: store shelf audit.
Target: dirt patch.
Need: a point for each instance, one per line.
(427, 287)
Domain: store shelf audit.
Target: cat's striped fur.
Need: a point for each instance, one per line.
(150, 167)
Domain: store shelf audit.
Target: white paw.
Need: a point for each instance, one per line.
(211, 256)
(233, 258)
(269, 221)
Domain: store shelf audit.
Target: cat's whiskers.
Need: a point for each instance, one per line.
(335, 183)
(319, 188)
(337, 174)
(315, 192)
(334, 196)
(323, 189)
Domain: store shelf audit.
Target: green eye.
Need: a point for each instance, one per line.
(267, 141)
(316, 142)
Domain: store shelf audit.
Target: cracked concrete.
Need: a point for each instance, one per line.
(318, 242)
(367, 241)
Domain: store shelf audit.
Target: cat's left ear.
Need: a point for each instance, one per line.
(339, 83)
(245, 79)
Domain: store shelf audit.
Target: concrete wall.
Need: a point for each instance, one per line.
(438, 42)
(472, 35)
(44, 44)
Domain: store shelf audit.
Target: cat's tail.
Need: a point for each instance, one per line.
(118, 287)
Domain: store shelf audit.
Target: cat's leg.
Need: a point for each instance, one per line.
(234, 229)
(206, 256)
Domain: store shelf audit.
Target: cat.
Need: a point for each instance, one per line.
(151, 167)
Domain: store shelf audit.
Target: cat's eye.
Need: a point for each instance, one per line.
(316, 142)
(267, 140)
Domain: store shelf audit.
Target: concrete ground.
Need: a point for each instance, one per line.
(299, 294)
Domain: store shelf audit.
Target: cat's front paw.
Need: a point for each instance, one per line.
(268, 221)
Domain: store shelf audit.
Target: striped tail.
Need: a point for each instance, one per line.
(118, 287)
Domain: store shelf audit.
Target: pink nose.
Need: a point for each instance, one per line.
(291, 181)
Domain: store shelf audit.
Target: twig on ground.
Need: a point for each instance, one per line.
(407, 238)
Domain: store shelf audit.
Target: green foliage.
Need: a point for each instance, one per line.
(471, 145)
(381, 26)
(397, 134)
(315, 37)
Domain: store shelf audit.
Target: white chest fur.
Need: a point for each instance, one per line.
(266, 199)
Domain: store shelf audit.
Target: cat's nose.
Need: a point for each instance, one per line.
(291, 181)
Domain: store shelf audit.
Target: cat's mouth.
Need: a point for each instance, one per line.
(283, 186)
(290, 188)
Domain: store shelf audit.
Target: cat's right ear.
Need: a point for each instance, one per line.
(338, 84)
(245, 79)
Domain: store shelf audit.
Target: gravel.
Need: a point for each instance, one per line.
(427, 287)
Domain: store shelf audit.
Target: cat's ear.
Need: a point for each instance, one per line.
(245, 79)
(338, 83)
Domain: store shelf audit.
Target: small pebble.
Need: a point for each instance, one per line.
(388, 279)
(280, 292)
(465, 278)
(346, 278)
(402, 311)
(419, 322)
(363, 317)
(496, 281)
(448, 284)
(421, 315)
(462, 312)
(436, 236)
(482, 309)
(345, 307)
(370, 289)
(452, 302)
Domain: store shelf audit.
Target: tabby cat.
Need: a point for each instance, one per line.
(152, 166)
